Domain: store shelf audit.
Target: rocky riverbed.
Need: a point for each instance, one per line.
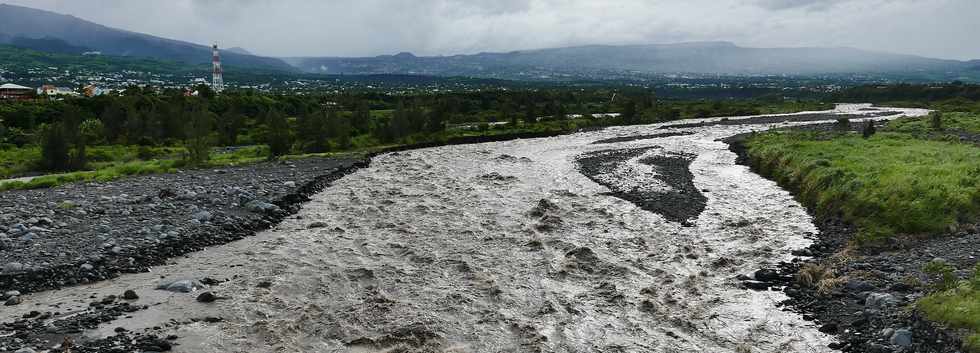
(549, 244)
(79, 233)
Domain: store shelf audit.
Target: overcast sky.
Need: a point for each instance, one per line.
(935, 28)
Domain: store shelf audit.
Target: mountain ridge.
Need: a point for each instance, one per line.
(30, 23)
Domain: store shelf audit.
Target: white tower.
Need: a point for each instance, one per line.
(217, 82)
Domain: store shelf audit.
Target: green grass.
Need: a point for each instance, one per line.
(886, 185)
(958, 307)
(969, 122)
(16, 162)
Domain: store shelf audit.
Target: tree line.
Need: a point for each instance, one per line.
(313, 123)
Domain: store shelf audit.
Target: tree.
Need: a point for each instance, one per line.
(72, 126)
(629, 112)
(230, 124)
(278, 137)
(560, 113)
(114, 120)
(316, 132)
(340, 129)
(936, 121)
(361, 120)
(507, 113)
(197, 138)
(437, 120)
(54, 148)
(530, 116)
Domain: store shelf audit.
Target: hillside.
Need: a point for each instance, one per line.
(22, 25)
(700, 58)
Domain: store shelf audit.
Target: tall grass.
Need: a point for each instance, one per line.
(958, 307)
(889, 184)
(968, 122)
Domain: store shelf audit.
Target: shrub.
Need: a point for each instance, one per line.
(54, 148)
(869, 129)
(936, 121)
(943, 273)
(278, 137)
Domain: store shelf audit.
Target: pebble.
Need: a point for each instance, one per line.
(87, 267)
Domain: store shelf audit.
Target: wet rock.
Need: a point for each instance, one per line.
(13, 301)
(130, 294)
(289, 184)
(543, 207)
(494, 176)
(206, 297)
(153, 344)
(257, 206)
(901, 338)
(182, 286)
(859, 286)
(766, 275)
(13, 267)
(548, 223)
(756, 285)
(878, 301)
(202, 216)
(317, 225)
(86, 267)
(830, 328)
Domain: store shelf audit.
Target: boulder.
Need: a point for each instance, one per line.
(902, 338)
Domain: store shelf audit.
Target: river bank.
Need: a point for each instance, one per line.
(407, 255)
(866, 295)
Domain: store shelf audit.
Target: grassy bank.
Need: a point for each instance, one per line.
(958, 307)
(886, 185)
(900, 182)
(955, 121)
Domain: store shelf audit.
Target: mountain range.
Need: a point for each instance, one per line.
(53, 32)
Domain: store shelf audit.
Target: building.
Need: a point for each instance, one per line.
(15, 92)
(52, 91)
(92, 91)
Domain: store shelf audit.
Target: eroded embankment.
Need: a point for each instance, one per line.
(863, 295)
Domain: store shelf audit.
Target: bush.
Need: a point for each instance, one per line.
(54, 148)
(936, 121)
(869, 129)
(278, 138)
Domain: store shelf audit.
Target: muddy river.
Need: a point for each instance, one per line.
(551, 245)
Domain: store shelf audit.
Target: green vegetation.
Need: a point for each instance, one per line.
(148, 130)
(955, 121)
(887, 184)
(959, 307)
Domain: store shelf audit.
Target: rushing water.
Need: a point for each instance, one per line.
(453, 249)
